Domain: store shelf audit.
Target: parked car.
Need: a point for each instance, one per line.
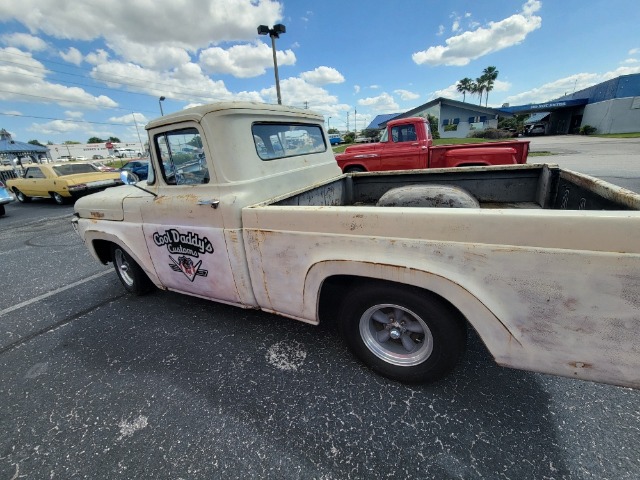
(537, 129)
(81, 158)
(103, 168)
(97, 157)
(62, 181)
(5, 197)
(138, 167)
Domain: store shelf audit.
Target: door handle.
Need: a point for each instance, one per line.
(212, 203)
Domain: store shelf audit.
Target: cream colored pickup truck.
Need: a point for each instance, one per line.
(245, 204)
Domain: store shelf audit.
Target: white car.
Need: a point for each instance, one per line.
(82, 158)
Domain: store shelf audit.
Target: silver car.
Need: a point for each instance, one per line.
(5, 197)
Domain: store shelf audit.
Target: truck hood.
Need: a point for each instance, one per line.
(355, 151)
(105, 205)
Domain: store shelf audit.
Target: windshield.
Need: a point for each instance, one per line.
(385, 135)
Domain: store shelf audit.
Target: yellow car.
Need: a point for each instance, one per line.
(62, 182)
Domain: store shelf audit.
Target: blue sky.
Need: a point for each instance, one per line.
(70, 73)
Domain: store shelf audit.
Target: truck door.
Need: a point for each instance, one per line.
(402, 151)
(183, 231)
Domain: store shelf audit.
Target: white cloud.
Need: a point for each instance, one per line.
(130, 118)
(406, 94)
(55, 126)
(470, 45)
(634, 51)
(243, 61)
(190, 24)
(322, 76)
(383, 103)
(72, 55)
(440, 30)
(73, 114)
(356, 89)
(297, 92)
(98, 57)
(27, 82)
(24, 40)
(630, 61)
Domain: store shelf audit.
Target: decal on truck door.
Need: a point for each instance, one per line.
(187, 245)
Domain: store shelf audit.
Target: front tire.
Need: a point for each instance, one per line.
(129, 272)
(22, 198)
(402, 332)
(354, 170)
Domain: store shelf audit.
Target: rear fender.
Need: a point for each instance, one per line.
(495, 335)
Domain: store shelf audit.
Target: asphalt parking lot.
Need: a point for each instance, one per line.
(616, 160)
(96, 383)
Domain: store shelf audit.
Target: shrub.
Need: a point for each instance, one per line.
(587, 130)
(492, 133)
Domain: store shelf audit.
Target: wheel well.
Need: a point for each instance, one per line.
(103, 250)
(335, 289)
(354, 168)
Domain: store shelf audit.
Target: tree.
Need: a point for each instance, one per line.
(333, 130)
(370, 133)
(95, 140)
(465, 85)
(35, 142)
(114, 140)
(489, 74)
(480, 87)
(71, 142)
(433, 125)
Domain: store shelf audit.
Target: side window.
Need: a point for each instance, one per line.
(34, 172)
(404, 133)
(182, 158)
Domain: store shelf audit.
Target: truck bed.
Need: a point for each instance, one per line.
(532, 186)
(548, 285)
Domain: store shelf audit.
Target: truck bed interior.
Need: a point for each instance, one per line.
(521, 186)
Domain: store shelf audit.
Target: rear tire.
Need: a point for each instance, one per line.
(129, 272)
(22, 198)
(354, 170)
(59, 199)
(402, 332)
(2, 211)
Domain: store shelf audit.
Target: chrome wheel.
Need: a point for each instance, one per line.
(123, 267)
(59, 199)
(396, 335)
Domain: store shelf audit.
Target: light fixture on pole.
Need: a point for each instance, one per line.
(160, 103)
(328, 124)
(274, 33)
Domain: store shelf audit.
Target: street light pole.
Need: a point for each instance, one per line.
(160, 103)
(274, 33)
(329, 124)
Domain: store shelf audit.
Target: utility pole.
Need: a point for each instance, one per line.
(348, 122)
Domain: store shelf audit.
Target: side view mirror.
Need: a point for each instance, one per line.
(128, 178)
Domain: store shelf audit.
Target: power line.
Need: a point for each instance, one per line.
(67, 120)
(100, 78)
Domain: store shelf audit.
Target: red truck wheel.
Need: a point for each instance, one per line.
(402, 332)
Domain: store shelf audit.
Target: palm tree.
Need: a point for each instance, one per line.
(465, 85)
(480, 87)
(490, 74)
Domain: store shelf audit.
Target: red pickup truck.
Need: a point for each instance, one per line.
(406, 144)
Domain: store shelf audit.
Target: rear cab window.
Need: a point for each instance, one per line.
(280, 140)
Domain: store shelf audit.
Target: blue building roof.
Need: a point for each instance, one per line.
(380, 119)
(9, 146)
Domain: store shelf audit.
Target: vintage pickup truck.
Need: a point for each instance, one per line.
(407, 144)
(543, 263)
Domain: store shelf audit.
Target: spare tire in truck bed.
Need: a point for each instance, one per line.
(437, 196)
